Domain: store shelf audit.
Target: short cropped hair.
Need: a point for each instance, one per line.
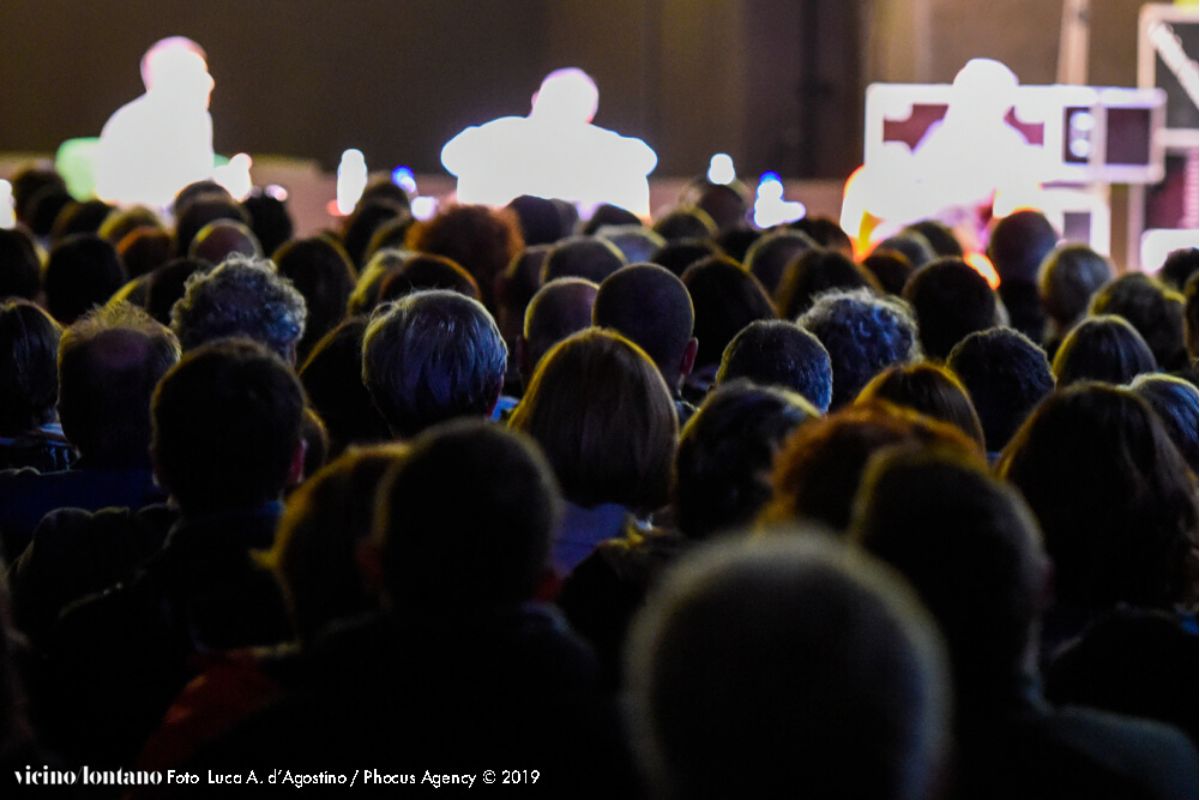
(769, 256)
(432, 356)
(814, 272)
(1006, 375)
(560, 308)
(863, 334)
(1102, 348)
(109, 362)
(1115, 500)
(1177, 404)
(1155, 310)
(83, 271)
(950, 300)
(443, 550)
(779, 353)
(725, 455)
(28, 374)
(1068, 278)
(582, 257)
(651, 307)
(241, 297)
(735, 662)
(929, 389)
(424, 271)
(1018, 245)
(227, 422)
(604, 417)
(725, 299)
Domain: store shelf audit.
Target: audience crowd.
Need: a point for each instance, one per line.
(680, 510)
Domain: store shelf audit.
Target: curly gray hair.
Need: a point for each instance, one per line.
(242, 297)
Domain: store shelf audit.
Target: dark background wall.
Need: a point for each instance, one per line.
(777, 83)
(397, 78)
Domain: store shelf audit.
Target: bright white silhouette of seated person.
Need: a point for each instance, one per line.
(555, 152)
(159, 143)
(969, 165)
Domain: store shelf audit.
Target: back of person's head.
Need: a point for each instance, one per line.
(325, 521)
(539, 219)
(198, 190)
(725, 299)
(1102, 348)
(724, 204)
(651, 307)
(1155, 310)
(929, 389)
(951, 300)
(863, 334)
(143, 250)
(481, 240)
(124, 221)
(940, 237)
(825, 232)
(736, 661)
(779, 353)
(1178, 266)
(602, 414)
(269, 218)
(227, 422)
(44, 207)
(1177, 404)
(365, 295)
(814, 272)
(392, 233)
(320, 270)
(165, 286)
(767, 258)
(27, 181)
(971, 549)
(423, 271)
(1115, 500)
(680, 255)
(222, 239)
(359, 229)
(636, 242)
(430, 357)
(912, 244)
(607, 215)
(560, 308)
(1068, 278)
(1006, 375)
(1018, 245)
(725, 455)
(83, 271)
(891, 269)
(198, 212)
(241, 297)
(685, 223)
(736, 242)
(85, 217)
(19, 265)
(443, 555)
(332, 378)
(109, 362)
(28, 373)
(582, 257)
(819, 469)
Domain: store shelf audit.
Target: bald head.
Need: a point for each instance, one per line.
(218, 240)
(650, 306)
(559, 308)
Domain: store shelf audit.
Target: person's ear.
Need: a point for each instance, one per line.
(689, 358)
(296, 474)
